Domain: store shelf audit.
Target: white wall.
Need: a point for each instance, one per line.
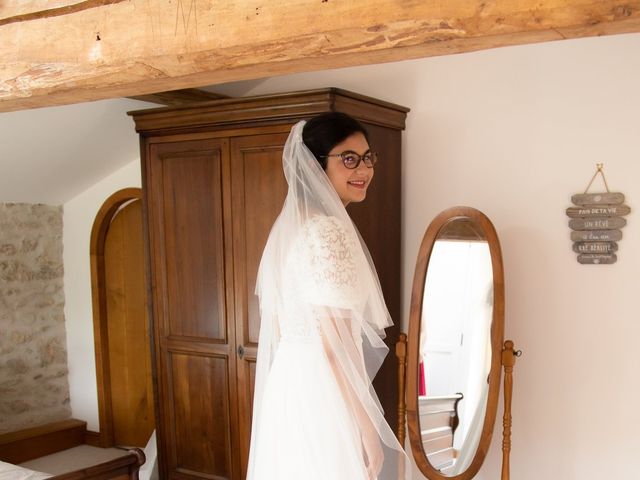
(79, 214)
(515, 132)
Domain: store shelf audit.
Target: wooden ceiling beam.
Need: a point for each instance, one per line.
(179, 97)
(100, 49)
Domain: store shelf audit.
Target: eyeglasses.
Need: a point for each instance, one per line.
(351, 159)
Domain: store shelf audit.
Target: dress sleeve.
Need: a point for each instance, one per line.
(333, 265)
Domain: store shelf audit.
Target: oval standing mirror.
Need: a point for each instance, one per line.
(456, 327)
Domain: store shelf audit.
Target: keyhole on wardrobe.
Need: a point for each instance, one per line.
(241, 351)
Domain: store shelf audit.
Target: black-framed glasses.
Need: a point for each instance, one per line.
(351, 159)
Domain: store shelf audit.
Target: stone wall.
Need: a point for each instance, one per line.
(34, 386)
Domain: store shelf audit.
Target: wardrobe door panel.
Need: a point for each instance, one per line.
(258, 191)
(193, 239)
(202, 415)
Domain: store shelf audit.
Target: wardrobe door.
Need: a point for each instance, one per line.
(259, 189)
(188, 205)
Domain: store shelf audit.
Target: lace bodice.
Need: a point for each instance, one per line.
(324, 267)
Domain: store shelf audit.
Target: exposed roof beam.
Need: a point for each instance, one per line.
(135, 47)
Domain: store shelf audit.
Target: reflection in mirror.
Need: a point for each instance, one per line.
(455, 345)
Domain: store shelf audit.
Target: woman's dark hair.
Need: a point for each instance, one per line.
(322, 133)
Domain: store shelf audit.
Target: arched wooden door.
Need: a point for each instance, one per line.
(123, 346)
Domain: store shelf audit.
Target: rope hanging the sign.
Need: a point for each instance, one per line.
(601, 172)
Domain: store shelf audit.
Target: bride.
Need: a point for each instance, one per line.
(315, 413)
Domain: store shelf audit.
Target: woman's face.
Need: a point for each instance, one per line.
(351, 184)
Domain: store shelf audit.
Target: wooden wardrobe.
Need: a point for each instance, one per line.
(213, 186)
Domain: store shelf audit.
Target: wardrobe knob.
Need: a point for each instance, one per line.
(241, 351)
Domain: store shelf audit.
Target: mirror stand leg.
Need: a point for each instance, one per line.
(401, 353)
(508, 361)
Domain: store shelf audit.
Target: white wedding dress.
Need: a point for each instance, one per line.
(308, 430)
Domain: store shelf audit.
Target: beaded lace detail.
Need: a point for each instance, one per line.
(324, 272)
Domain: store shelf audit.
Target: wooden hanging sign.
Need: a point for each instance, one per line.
(595, 247)
(601, 211)
(597, 198)
(597, 259)
(596, 235)
(596, 221)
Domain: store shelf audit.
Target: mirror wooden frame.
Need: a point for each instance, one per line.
(497, 337)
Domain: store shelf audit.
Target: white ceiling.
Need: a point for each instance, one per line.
(50, 155)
